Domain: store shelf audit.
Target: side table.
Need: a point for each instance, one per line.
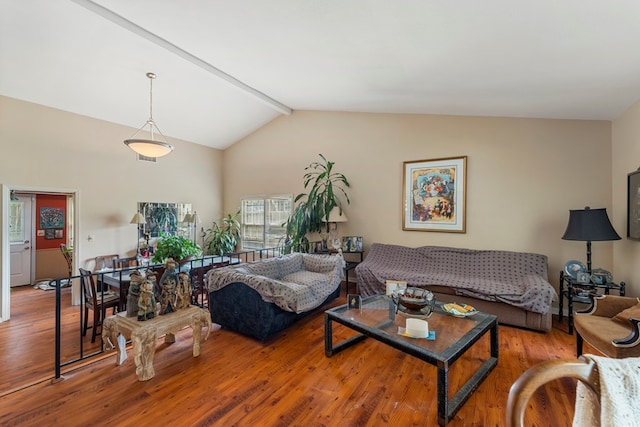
(143, 335)
(356, 258)
(581, 293)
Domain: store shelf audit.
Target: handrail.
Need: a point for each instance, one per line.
(234, 258)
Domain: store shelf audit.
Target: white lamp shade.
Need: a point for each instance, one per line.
(149, 148)
(335, 216)
(138, 218)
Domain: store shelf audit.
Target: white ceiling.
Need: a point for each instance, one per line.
(519, 58)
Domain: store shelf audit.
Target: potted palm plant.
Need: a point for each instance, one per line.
(312, 211)
(222, 238)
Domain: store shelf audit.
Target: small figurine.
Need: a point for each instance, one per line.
(168, 284)
(184, 290)
(146, 301)
(134, 293)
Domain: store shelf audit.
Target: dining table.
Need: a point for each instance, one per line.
(119, 279)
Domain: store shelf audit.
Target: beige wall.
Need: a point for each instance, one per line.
(49, 149)
(626, 159)
(523, 175)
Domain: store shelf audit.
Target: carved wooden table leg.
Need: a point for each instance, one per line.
(199, 320)
(144, 348)
(110, 339)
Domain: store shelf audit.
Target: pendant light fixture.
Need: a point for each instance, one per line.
(150, 147)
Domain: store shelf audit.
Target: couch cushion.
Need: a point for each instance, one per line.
(319, 263)
(599, 331)
(290, 264)
(306, 278)
(627, 314)
(268, 268)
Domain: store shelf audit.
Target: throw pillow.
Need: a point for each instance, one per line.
(628, 313)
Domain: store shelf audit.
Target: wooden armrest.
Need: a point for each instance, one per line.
(633, 338)
(609, 305)
(540, 374)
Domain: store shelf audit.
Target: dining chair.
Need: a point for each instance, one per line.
(126, 262)
(606, 391)
(104, 261)
(198, 294)
(98, 302)
(538, 375)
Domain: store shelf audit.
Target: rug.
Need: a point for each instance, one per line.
(46, 285)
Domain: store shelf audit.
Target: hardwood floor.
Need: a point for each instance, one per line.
(286, 381)
(28, 338)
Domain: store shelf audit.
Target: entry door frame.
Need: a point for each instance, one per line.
(5, 273)
(32, 235)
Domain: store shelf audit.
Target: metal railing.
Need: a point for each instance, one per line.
(99, 278)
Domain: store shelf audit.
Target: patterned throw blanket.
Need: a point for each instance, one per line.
(619, 383)
(516, 278)
(295, 282)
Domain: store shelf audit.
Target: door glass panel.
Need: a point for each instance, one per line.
(16, 222)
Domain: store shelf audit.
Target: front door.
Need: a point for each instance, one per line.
(20, 230)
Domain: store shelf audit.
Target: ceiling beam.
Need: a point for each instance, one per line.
(136, 29)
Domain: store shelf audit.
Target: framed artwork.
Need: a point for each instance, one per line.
(164, 218)
(434, 195)
(49, 234)
(51, 218)
(633, 205)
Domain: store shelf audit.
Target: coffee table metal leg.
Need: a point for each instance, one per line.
(329, 348)
(443, 395)
(448, 408)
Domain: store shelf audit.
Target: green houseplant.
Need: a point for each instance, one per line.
(313, 208)
(222, 238)
(177, 247)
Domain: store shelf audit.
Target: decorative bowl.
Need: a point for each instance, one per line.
(416, 299)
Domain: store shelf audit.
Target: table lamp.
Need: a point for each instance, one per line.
(335, 216)
(138, 219)
(192, 218)
(589, 225)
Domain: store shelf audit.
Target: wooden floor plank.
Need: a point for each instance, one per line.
(286, 381)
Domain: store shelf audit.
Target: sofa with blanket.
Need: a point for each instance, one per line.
(511, 285)
(261, 298)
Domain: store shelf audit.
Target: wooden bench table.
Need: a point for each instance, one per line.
(143, 335)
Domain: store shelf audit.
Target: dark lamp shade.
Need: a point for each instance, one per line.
(590, 225)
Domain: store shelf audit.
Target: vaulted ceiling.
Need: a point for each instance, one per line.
(226, 68)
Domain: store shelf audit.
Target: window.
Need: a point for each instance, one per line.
(262, 218)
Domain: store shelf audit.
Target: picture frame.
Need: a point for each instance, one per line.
(633, 205)
(354, 301)
(395, 286)
(583, 277)
(352, 243)
(434, 195)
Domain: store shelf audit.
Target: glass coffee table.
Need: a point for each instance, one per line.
(454, 336)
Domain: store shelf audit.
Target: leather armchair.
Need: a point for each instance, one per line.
(613, 338)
